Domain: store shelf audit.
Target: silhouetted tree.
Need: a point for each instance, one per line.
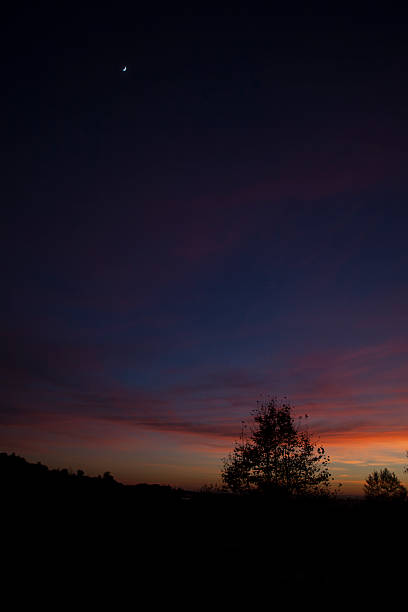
(108, 478)
(384, 485)
(277, 456)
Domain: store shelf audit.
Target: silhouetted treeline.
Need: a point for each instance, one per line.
(16, 472)
(21, 476)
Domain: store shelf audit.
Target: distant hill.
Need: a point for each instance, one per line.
(22, 477)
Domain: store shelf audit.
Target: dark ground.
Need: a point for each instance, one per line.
(74, 531)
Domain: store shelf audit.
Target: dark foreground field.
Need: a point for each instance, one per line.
(74, 531)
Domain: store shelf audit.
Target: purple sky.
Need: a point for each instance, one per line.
(225, 220)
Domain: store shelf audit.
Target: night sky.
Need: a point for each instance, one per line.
(224, 220)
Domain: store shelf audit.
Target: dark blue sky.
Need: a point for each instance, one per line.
(226, 218)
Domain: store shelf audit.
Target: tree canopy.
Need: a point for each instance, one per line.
(384, 485)
(274, 455)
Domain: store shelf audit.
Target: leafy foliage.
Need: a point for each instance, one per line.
(384, 485)
(277, 456)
